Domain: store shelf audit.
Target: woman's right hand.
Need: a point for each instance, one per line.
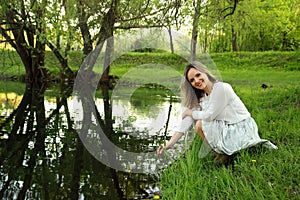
(160, 149)
(170, 143)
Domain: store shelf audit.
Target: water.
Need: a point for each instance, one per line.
(43, 155)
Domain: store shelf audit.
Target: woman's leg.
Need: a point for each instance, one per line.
(199, 130)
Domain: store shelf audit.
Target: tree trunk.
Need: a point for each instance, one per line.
(32, 54)
(107, 60)
(106, 33)
(205, 41)
(195, 30)
(86, 36)
(285, 42)
(233, 40)
(171, 39)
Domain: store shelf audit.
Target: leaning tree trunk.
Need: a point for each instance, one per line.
(84, 29)
(105, 34)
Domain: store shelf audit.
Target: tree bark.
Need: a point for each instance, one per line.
(171, 39)
(105, 34)
(195, 30)
(233, 39)
(86, 35)
(27, 43)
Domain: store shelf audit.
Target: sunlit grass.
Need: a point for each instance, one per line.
(7, 87)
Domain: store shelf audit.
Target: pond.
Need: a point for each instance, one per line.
(53, 147)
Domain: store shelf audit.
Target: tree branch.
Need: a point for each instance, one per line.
(139, 26)
(141, 16)
(6, 41)
(61, 59)
(232, 9)
(8, 38)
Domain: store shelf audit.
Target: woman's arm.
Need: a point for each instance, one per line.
(185, 124)
(170, 143)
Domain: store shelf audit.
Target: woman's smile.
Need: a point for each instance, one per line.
(199, 84)
(197, 79)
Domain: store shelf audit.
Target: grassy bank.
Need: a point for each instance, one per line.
(259, 174)
(12, 67)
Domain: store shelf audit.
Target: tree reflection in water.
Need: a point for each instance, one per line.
(42, 157)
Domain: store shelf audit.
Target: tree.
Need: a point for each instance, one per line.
(207, 15)
(121, 15)
(254, 26)
(24, 30)
(24, 25)
(197, 6)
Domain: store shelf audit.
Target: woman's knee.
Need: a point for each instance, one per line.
(199, 130)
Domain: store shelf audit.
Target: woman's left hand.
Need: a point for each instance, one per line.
(187, 112)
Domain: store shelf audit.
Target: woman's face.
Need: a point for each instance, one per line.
(198, 80)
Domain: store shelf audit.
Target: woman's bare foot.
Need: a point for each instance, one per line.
(218, 156)
(222, 159)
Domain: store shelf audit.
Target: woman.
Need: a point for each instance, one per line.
(222, 120)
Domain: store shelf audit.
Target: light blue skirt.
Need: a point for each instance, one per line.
(228, 139)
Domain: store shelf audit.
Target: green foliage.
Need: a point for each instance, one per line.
(132, 59)
(12, 65)
(8, 87)
(257, 25)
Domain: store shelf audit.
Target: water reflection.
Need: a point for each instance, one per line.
(42, 157)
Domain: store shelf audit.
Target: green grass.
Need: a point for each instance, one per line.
(12, 66)
(8, 86)
(258, 60)
(258, 175)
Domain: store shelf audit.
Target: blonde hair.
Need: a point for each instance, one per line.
(191, 96)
